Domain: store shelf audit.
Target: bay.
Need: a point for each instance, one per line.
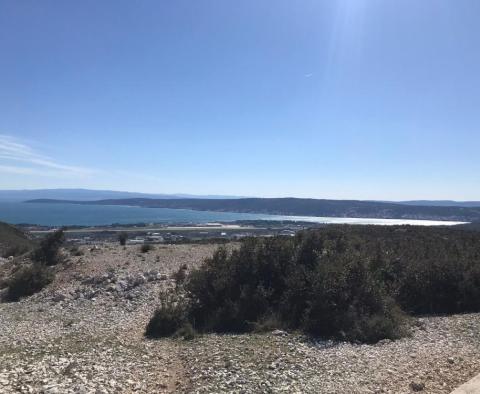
(96, 215)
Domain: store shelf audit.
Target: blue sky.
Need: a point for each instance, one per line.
(367, 99)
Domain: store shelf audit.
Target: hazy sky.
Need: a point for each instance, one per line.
(370, 99)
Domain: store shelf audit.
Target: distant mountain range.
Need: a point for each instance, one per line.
(299, 207)
(441, 203)
(93, 195)
(90, 195)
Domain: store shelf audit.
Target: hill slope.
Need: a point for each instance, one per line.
(12, 237)
(442, 203)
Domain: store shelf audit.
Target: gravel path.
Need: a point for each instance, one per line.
(84, 334)
(439, 356)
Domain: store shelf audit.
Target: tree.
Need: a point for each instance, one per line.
(48, 251)
(122, 238)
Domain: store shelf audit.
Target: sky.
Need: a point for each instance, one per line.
(348, 99)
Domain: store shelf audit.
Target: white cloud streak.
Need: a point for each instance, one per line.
(16, 157)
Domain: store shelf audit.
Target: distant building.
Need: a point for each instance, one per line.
(136, 241)
(290, 233)
(155, 237)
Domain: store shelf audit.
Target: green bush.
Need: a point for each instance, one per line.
(186, 331)
(287, 279)
(16, 250)
(122, 238)
(180, 275)
(348, 303)
(76, 251)
(145, 248)
(28, 280)
(48, 252)
(168, 318)
(345, 282)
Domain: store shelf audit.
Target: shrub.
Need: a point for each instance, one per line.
(145, 248)
(28, 280)
(233, 292)
(268, 323)
(296, 285)
(186, 331)
(122, 238)
(16, 250)
(48, 252)
(346, 282)
(180, 275)
(168, 318)
(76, 251)
(348, 303)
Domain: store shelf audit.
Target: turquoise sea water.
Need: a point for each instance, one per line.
(94, 215)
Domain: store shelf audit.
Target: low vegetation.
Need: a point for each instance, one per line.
(170, 318)
(180, 275)
(355, 283)
(48, 252)
(13, 241)
(122, 238)
(29, 278)
(76, 251)
(16, 250)
(145, 248)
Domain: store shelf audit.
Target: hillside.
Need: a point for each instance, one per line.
(442, 203)
(84, 333)
(300, 207)
(13, 238)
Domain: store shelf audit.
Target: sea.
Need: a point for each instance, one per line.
(98, 215)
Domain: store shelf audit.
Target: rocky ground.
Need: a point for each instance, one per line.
(84, 334)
